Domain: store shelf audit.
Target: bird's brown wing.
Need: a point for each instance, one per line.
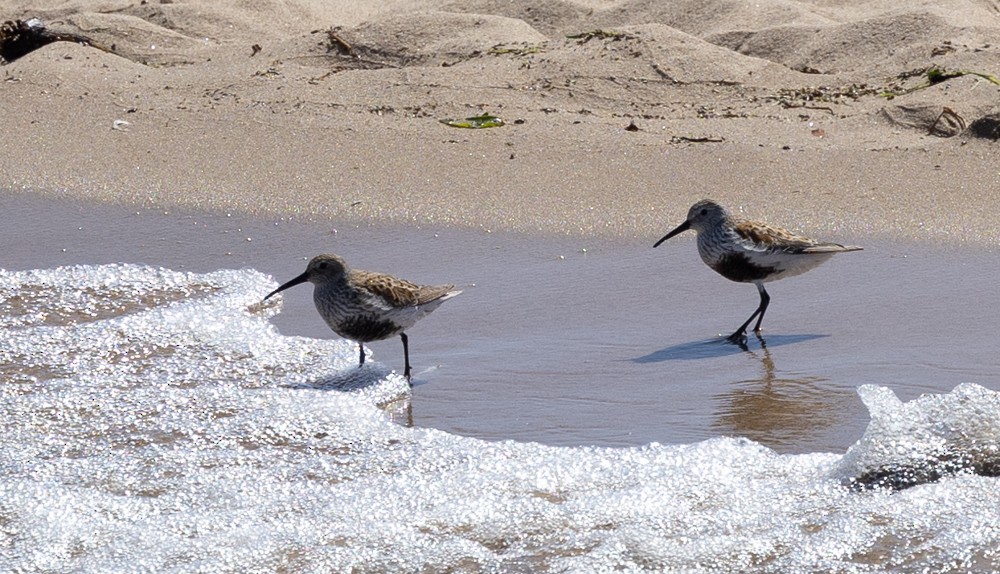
(767, 237)
(398, 292)
(430, 293)
(831, 248)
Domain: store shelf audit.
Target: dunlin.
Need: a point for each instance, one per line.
(364, 306)
(751, 252)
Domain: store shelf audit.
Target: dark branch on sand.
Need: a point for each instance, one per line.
(21, 37)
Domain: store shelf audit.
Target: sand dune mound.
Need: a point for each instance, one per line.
(706, 17)
(959, 13)
(881, 45)
(554, 18)
(433, 38)
(685, 58)
(218, 20)
(662, 53)
(92, 70)
(223, 20)
(168, 33)
(136, 39)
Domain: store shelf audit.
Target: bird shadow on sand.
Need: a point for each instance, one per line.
(350, 379)
(394, 398)
(716, 347)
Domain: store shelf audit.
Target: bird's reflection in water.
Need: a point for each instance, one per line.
(400, 412)
(788, 414)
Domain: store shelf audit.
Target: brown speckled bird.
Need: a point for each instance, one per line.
(364, 306)
(751, 252)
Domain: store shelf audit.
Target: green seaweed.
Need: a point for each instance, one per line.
(807, 97)
(935, 75)
(585, 37)
(522, 51)
(485, 120)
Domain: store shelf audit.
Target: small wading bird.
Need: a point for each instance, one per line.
(364, 306)
(751, 252)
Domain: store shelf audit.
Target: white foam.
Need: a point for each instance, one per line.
(937, 433)
(154, 421)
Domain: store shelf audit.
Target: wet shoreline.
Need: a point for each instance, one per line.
(574, 341)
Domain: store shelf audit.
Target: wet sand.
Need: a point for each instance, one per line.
(586, 341)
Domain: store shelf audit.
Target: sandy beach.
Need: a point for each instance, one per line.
(331, 110)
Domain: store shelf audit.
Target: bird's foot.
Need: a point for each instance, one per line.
(738, 338)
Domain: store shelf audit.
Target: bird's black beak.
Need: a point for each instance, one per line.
(298, 280)
(680, 228)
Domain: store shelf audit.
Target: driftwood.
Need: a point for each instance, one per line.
(20, 37)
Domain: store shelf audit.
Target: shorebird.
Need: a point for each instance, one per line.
(364, 306)
(751, 252)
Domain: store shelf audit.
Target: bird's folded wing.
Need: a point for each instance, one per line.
(830, 248)
(430, 293)
(385, 292)
(382, 292)
(765, 237)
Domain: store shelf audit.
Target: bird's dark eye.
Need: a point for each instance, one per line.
(704, 211)
(322, 265)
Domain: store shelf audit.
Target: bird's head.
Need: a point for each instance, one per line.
(701, 217)
(321, 269)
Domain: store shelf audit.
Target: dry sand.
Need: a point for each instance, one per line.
(776, 107)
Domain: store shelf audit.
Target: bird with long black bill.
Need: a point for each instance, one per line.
(365, 306)
(751, 252)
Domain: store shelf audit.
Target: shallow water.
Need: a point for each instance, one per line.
(157, 418)
(569, 341)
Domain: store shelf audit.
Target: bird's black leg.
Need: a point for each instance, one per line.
(765, 299)
(406, 356)
(361, 348)
(741, 334)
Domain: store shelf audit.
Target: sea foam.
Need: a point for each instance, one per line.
(154, 421)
